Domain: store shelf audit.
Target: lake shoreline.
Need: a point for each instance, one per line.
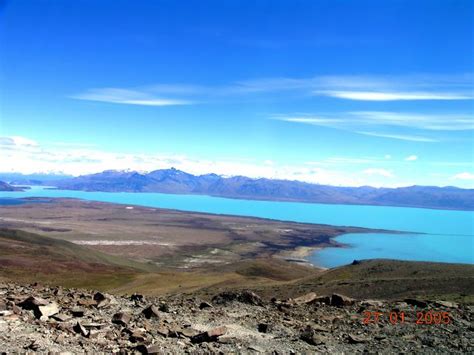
(300, 255)
(366, 219)
(175, 238)
(271, 199)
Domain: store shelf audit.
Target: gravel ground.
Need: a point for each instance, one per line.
(42, 319)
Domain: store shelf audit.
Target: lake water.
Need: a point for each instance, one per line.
(449, 234)
(11, 201)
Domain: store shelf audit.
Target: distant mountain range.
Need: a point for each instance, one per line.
(31, 179)
(7, 187)
(179, 182)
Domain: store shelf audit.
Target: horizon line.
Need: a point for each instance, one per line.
(146, 172)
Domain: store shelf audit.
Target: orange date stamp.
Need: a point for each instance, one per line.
(394, 317)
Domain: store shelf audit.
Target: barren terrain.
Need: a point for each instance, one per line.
(191, 282)
(167, 237)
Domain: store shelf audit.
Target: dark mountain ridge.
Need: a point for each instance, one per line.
(7, 187)
(179, 182)
(31, 179)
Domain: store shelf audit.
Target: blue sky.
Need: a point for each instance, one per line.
(339, 92)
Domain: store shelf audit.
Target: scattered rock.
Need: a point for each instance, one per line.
(46, 310)
(164, 308)
(356, 339)
(102, 300)
(61, 317)
(87, 302)
(136, 297)
(338, 300)
(306, 324)
(446, 304)
(264, 327)
(210, 335)
(416, 303)
(372, 303)
(151, 349)
(312, 337)
(99, 296)
(32, 302)
(188, 332)
(162, 330)
(151, 312)
(246, 297)
(41, 308)
(204, 305)
(121, 318)
(256, 348)
(94, 334)
(78, 328)
(93, 325)
(308, 298)
(138, 335)
(16, 309)
(34, 346)
(78, 312)
(319, 328)
(323, 299)
(174, 331)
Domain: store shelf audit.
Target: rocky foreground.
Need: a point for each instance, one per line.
(43, 319)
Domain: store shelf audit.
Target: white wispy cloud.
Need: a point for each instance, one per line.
(392, 96)
(392, 125)
(464, 176)
(372, 87)
(358, 119)
(452, 163)
(352, 160)
(315, 121)
(21, 154)
(17, 141)
(128, 97)
(403, 137)
(40, 158)
(386, 160)
(378, 171)
(411, 158)
(431, 122)
(351, 87)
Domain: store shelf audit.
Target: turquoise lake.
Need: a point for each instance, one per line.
(448, 235)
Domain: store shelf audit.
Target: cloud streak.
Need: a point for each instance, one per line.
(402, 137)
(464, 176)
(387, 124)
(371, 87)
(411, 158)
(128, 97)
(27, 159)
(17, 141)
(392, 96)
(444, 122)
(378, 171)
(428, 122)
(21, 154)
(349, 87)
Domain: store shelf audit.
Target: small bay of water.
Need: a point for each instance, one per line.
(11, 201)
(449, 235)
(416, 247)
